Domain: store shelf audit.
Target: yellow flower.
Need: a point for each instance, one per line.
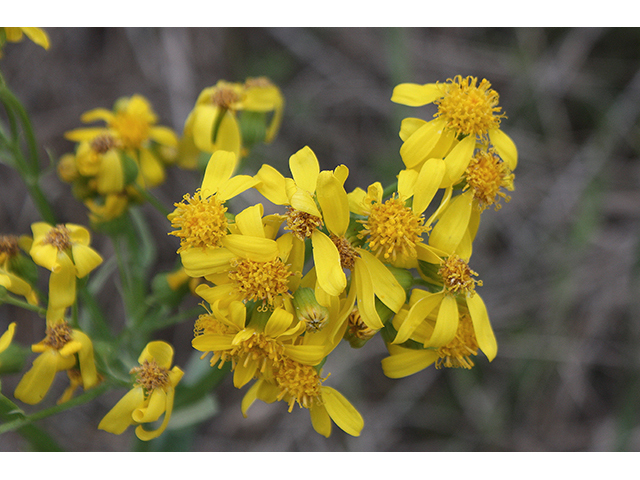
(16, 34)
(304, 217)
(214, 123)
(133, 124)
(299, 383)
(9, 277)
(253, 345)
(65, 250)
(249, 265)
(486, 175)
(456, 354)
(392, 229)
(467, 112)
(151, 396)
(58, 351)
(457, 291)
(200, 220)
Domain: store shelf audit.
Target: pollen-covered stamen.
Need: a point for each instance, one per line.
(8, 246)
(225, 97)
(58, 335)
(103, 143)
(457, 277)
(258, 348)
(302, 224)
(485, 175)
(150, 375)
(59, 236)
(457, 353)
(392, 229)
(468, 109)
(298, 383)
(348, 254)
(200, 222)
(263, 281)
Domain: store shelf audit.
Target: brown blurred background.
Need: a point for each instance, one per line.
(559, 262)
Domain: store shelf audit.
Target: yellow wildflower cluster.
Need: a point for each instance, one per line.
(279, 290)
(395, 262)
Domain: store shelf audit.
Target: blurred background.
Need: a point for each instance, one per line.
(559, 262)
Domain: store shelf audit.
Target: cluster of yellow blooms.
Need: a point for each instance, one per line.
(282, 290)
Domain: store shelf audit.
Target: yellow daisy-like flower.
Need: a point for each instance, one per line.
(200, 220)
(253, 345)
(485, 176)
(151, 396)
(304, 217)
(63, 249)
(133, 124)
(393, 230)
(299, 383)
(458, 290)
(250, 265)
(9, 277)
(213, 124)
(468, 112)
(402, 361)
(61, 349)
(16, 34)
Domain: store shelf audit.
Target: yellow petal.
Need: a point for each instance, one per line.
(37, 36)
(219, 169)
(212, 343)
(366, 295)
(326, 259)
(35, 384)
(7, 336)
(446, 323)
(201, 122)
(229, 137)
(249, 221)
(85, 259)
(151, 169)
(334, 203)
(305, 169)
(458, 160)
(418, 147)
(409, 125)
(427, 184)
(320, 419)
(164, 136)
(386, 286)
(119, 417)
(198, 262)
(505, 147)
(155, 407)
(251, 248)
(415, 95)
(418, 312)
(110, 177)
(303, 200)
(482, 327)
(342, 412)
(146, 435)
(407, 362)
(305, 354)
(406, 183)
(86, 360)
(97, 114)
(45, 255)
(272, 185)
(235, 186)
(249, 397)
(244, 372)
(448, 232)
(62, 283)
(278, 323)
(225, 294)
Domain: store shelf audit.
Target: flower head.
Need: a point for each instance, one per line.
(62, 349)
(152, 394)
(63, 249)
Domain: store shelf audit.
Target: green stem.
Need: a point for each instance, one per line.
(152, 200)
(20, 303)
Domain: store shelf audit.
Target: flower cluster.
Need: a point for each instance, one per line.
(393, 261)
(282, 281)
